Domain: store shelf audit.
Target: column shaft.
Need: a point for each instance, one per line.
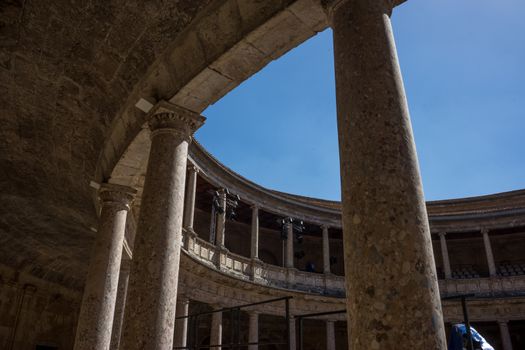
(121, 304)
(326, 250)
(253, 330)
(389, 264)
(293, 340)
(216, 330)
(95, 321)
(488, 251)
(181, 325)
(330, 335)
(289, 246)
(221, 220)
(213, 225)
(254, 251)
(189, 206)
(506, 340)
(444, 254)
(151, 304)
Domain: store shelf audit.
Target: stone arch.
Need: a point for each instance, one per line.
(230, 41)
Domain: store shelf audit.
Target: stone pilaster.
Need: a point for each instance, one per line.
(326, 250)
(181, 325)
(95, 321)
(152, 291)
(488, 251)
(392, 287)
(444, 254)
(189, 206)
(253, 330)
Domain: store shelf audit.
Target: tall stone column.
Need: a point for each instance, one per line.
(189, 206)
(444, 254)
(254, 251)
(488, 251)
(181, 325)
(506, 341)
(392, 287)
(152, 293)
(330, 335)
(216, 329)
(221, 220)
(120, 307)
(253, 330)
(100, 291)
(289, 246)
(326, 250)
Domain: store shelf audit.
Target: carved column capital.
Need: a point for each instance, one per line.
(193, 168)
(166, 117)
(111, 194)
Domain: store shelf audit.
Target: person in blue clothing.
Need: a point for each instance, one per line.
(459, 339)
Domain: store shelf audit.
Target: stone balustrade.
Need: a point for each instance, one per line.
(326, 284)
(260, 272)
(493, 286)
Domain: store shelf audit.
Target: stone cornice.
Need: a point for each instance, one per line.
(493, 211)
(221, 176)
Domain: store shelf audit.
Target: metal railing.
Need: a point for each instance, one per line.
(235, 327)
(300, 327)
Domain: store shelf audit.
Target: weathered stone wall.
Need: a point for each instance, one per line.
(66, 69)
(35, 312)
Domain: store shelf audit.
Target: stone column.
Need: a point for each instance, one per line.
(152, 291)
(326, 250)
(330, 335)
(488, 251)
(293, 342)
(100, 291)
(189, 206)
(289, 246)
(216, 329)
(120, 307)
(444, 253)
(254, 251)
(506, 341)
(389, 263)
(253, 330)
(221, 220)
(213, 225)
(181, 325)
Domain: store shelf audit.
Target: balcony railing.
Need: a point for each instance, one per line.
(259, 272)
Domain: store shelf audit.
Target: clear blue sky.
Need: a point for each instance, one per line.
(463, 64)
